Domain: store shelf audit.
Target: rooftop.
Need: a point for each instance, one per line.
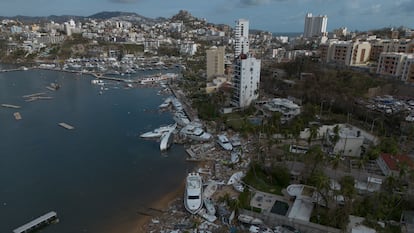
(393, 161)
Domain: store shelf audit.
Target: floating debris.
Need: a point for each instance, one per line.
(17, 116)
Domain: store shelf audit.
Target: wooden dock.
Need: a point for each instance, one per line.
(37, 223)
(10, 106)
(66, 126)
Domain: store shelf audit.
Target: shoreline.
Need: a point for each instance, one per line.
(139, 223)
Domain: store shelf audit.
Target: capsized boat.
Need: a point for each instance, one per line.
(193, 197)
(158, 132)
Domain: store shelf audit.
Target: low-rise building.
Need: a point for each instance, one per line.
(392, 165)
(285, 106)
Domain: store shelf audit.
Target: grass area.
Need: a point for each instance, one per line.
(270, 181)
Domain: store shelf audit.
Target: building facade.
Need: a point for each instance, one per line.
(241, 37)
(246, 80)
(315, 25)
(215, 62)
(397, 65)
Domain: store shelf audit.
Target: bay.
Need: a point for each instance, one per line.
(91, 176)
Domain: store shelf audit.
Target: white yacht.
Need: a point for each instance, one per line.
(158, 132)
(166, 140)
(224, 142)
(181, 118)
(196, 133)
(193, 199)
(166, 103)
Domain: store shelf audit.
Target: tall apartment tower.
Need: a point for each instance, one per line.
(315, 25)
(241, 37)
(215, 61)
(246, 77)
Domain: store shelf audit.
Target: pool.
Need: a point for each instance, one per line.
(280, 208)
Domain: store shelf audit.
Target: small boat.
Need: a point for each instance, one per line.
(193, 197)
(235, 178)
(235, 156)
(224, 142)
(210, 189)
(249, 219)
(208, 203)
(166, 140)
(208, 217)
(166, 103)
(158, 132)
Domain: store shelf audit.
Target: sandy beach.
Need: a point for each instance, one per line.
(138, 223)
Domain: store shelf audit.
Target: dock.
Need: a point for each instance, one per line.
(37, 223)
(10, 106)
(34, 95)
(66, 126)
(17, 116)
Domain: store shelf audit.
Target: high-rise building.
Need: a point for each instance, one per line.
(241, 37)
(315, 25)
(246, 80)
(215, 62)
(246, 77)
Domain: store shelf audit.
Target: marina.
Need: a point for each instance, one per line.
(106, 148)
(38, 223)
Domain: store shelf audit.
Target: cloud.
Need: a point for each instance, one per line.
(125, 1)
(407, 6)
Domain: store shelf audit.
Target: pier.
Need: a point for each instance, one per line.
(66, 126)
(37, 223)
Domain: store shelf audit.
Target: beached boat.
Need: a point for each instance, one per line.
(203, 213)
(236, 181)
(165, 104)
(193, 199)
(208, 203)
(224, 142)
(235, 156)
(249, 219)
(210, 189)
(181, 118)
(166, 140)
(235, 178)
(158, 132)
(196, 133)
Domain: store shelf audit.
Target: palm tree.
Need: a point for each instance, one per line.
(335, 163)
(315, 157)
(313, 133)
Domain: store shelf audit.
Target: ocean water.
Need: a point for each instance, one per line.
(93, 176)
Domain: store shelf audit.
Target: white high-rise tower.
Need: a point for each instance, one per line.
(315, 25)
(246, 77)
(241, 37)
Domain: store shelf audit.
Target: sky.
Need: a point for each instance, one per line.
(269, 15)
